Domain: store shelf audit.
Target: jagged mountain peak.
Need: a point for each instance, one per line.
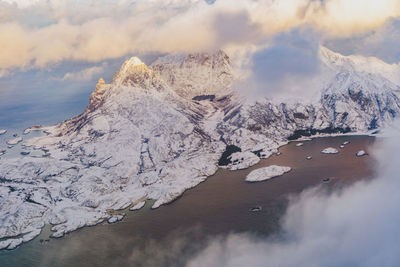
(196, 74)
(133, 62)
(129, 67)
(197, 58)
(360, 64)
(101, 81)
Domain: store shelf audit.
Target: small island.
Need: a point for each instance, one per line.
(266, 173)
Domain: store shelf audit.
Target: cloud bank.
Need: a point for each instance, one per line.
(355, 227)
(41, 33)
(86, 74)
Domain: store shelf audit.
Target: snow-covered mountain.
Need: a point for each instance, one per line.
(157, 130)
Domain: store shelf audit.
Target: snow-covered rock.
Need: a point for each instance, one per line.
(299, 144)
(32, 128)
(308, 158)
(138, 206)
(266, 173)
(361, 153)
(116, 218)
(2, 131)
(15, 141)
(330, 150)
(242, 160)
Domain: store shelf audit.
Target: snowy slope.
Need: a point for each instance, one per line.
(157, 130)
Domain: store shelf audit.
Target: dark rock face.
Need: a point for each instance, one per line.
(230, 149)
(204, 97)
(310, 132)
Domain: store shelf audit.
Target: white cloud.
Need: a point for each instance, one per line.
(86, 74)
(358, 226)
(49, 32)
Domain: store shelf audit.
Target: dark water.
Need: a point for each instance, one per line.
(170, 234)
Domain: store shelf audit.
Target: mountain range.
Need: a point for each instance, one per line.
(155, 131)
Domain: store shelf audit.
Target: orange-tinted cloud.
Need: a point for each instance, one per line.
(97, 30)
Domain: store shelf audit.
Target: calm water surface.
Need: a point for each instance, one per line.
(217, 207)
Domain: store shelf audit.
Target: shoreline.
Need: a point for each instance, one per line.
(220, 204)
(118, 212)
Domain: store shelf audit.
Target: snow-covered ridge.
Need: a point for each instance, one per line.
(155, 131)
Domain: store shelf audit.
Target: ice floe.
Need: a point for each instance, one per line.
(15, 141)
(330, 150)
(256, 209)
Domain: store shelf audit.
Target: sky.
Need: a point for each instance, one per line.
(53, 51)
(39, 34)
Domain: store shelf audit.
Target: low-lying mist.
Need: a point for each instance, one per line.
(356, 226)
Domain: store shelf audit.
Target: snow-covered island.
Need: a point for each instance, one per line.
(330, 150)
(361, 153)
(15, 141)
(155, 131)
(266, 173)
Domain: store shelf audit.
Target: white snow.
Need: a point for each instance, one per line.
(330, 150)
(15, 141)
(266, 173)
